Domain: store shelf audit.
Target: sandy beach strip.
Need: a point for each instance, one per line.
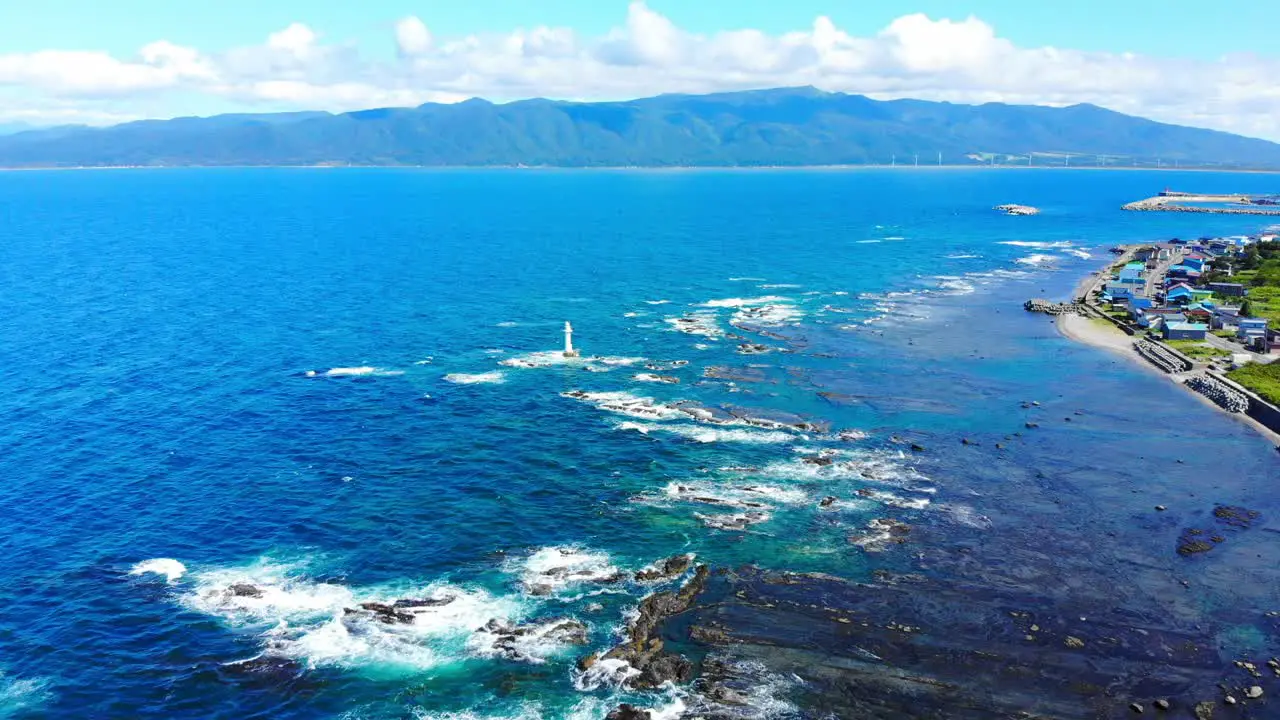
(1100, 333)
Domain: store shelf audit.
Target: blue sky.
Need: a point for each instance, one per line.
(1205, 64)
(1154, 27)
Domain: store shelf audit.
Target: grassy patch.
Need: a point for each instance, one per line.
(1227, 334)
(1104, 323)
(1197, 349)
(1262, 379)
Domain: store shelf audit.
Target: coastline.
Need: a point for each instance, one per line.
(1094, 333)
(647, 168)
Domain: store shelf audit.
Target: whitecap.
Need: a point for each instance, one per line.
(653, 378)
(625, 403)
(20, 695)
(956, 286)
(606, 673)
(701, 434)
(1037, 259)
(495, 377)
(1058, 245)
(171, 569)
(867, 242)
(508, 324)
(770, 315)
(743, 302)
(780, 286)
(704, 323)
(657, 302)
(962, 257)
(318, 622)
(350, 371)
(551, 569)
(746, 279)
(1083, 255)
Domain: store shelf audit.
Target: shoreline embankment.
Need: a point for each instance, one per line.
(1100, 333)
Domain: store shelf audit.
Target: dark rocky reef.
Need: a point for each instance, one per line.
(644, 649)
(671, 568)
(907, 646)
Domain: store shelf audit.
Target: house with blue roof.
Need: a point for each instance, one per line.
(1184, 331)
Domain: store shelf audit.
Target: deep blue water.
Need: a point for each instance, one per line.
(170, 339)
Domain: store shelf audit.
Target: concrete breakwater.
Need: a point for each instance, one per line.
(1051, 308)
(1219, 393)
(1162, 357)
(1011, 209)
(1172, 202)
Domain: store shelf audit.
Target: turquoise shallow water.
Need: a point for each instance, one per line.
(334, 385)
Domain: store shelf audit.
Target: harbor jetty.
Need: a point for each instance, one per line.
(1018, 209)
(1041, 305)
(1232, 204)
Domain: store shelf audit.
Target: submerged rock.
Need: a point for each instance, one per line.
(629, 712)
(384, 613)
(673, 566)
(508, 639)
(245, 590)
(643, 648)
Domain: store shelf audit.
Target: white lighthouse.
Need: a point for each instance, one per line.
(569, 352)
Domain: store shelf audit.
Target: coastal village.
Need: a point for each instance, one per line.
(1205, 311)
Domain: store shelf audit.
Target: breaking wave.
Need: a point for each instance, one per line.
(490, 378)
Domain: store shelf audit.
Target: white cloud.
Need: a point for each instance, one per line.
(914, 56)
(412, 36)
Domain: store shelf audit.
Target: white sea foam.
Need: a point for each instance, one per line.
(651, 377)
(744, 302)
(21, 695)
(554, 568)
(867, 242)
(495, 351)
(1058, 245)
(508, 324)
(746, 279)
(956, 286)
(363, 370)
(965, 515)
(607, 673)
(657, 302)
(1037, 260)
(553, 358)
(533, 643)
(489, 378)
(704, 323)
(962, 257)
(308, 620)
(878, 536)
(888, 498)
(766, 315)
(780, 286)
(701, 434)
(171, 569)
(625, 403)
(895, 237)
(1083, 255)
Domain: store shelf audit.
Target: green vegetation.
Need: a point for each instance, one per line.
(1258, 270)
(788, 126)
(1227, 334)
(1197, 350)
(1262, 379)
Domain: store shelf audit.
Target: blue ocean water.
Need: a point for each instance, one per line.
(336, 385)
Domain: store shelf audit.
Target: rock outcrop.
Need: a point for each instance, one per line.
(644, 649)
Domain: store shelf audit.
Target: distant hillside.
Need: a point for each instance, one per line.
(795, 126)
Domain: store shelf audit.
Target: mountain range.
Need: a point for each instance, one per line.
(788, 126)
